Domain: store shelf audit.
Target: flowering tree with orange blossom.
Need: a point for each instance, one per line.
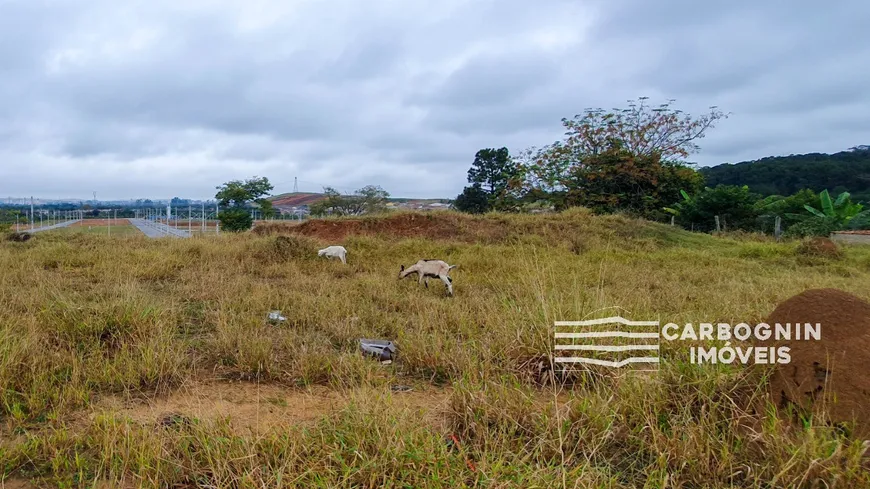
(630, 159)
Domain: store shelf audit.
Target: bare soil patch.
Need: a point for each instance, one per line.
(101, 222)
(259, 408)
(16, 484)
(833, 369)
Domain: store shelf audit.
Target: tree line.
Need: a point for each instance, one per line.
(632, 160)
(845, 171)
(237, 198)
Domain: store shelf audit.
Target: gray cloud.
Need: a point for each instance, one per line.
(159, 98)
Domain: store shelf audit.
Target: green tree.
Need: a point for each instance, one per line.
(788, 208)
(615, 180)
(735, 206)
(235, 219)
(374, 198)
(492, 169)
(367, 200)
(236, 197)
(493, 172)
(266, 208)
(641, 129)
(629, 159)
(473, 199)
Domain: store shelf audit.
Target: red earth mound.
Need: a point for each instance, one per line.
(819, 247)
(833, 368)
(409, 225)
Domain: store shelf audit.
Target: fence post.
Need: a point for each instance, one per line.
(718, 229)
(777, 228)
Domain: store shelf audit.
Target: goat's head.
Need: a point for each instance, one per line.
(321, 252)
(402, 272)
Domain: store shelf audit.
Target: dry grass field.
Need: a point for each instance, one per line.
(131, 362)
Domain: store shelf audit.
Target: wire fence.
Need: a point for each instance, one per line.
(193, 219)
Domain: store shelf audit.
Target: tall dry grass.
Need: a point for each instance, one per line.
(83, 317)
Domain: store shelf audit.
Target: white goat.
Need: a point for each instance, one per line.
(430, 268)
(334, 252)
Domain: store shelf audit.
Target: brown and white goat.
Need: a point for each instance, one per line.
(426, 269)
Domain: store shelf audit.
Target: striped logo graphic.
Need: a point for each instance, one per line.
(608, 342)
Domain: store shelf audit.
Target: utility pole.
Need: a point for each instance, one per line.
(295, 186)
(31, 212)
(188, 218)
(203, 217)
(217, 225)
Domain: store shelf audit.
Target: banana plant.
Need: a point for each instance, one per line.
(676, 209)
(841, 210)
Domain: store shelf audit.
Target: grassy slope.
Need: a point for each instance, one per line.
(86, 316)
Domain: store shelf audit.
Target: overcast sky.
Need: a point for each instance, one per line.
(163, 98)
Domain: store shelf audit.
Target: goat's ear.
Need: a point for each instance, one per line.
(402, 269)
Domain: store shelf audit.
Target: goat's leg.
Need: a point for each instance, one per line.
(343, 259)
(444, 278)
(426, 282)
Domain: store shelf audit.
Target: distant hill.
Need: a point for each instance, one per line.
(296, 199)
(785, 175)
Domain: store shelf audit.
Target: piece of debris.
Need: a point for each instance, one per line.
(18, 237)
(382, 349)
(276, 317)
(173, 420)
(401, 388)
(453, 444)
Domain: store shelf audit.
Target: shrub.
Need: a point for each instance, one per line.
(235, 220)
(813, 226)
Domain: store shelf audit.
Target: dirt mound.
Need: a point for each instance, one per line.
(405, 225)
(833, 368)
(18, 237)
(270, 228)
(822, 247)
(565, 229)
